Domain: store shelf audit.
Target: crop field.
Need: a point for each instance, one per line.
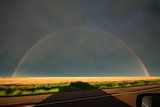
(51, 80)
(29, 89)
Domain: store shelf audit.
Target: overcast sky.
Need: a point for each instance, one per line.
(24, 22)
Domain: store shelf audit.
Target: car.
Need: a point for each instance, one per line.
(148, 100)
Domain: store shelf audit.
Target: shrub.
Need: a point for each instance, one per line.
(54, 90)
(26, 92)
(16, 92)
(3, 93)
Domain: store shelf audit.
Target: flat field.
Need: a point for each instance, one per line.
(39, 85)
(51, 80)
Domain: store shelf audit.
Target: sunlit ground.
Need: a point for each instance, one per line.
(49, 80)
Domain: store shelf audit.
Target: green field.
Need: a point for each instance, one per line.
(17, 90)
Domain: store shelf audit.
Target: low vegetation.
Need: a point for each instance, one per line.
(16, 90)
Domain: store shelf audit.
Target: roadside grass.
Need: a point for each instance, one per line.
(17, 90)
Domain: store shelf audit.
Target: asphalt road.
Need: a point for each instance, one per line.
(118, 97)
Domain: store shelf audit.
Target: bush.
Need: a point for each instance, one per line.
(26, 92)
(54, 90)
(16, 92)
(3, 93)
(39, 91)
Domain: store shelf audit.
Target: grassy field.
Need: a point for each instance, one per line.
(24, 89)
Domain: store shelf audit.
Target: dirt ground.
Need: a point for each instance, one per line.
(49, 80)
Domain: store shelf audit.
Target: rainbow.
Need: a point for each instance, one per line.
(36, 44)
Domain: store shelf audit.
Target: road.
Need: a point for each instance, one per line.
(118, 97)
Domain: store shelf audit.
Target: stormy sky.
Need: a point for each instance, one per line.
(24, 22)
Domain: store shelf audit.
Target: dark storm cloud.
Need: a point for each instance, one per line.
(23, 23)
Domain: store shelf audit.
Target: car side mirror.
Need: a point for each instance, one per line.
(148, 100)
